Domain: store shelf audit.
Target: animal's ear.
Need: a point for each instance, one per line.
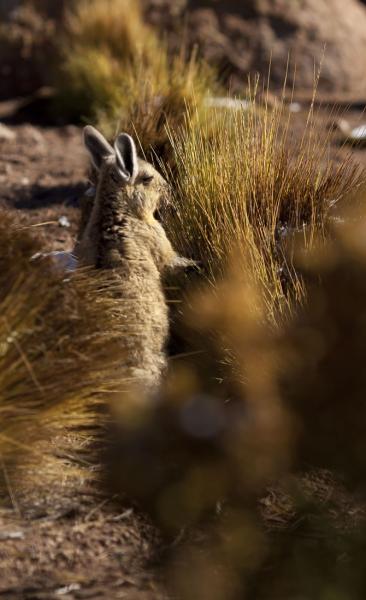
(126, 155)
(97, 145)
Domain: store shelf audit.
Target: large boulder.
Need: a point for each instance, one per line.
(7, 6)
(245, 36)
(49, 8)
(28, 45)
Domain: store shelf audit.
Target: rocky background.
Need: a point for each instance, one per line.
(239, 37)
(243, 37)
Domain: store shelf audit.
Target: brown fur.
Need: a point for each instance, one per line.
(123, 235)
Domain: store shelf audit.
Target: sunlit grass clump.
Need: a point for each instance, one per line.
(244, 184)
(60, 343)
(117, 73)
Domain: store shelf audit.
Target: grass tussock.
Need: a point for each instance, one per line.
(118, 74)
(60, 342)
(244, 185)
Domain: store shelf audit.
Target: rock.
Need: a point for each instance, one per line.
(11, 535)
(351, 135)
(8, 6)
(73, 587)
(6, 134)
(27, 47)
(295, 107)
(64, 222)
(244, 37)
(227, 103)
(33, 134)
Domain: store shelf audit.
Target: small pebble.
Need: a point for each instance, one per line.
(34, 134)
(73, 587)
(11, 535)
(228, 103)
(64, 222)
(91, 191)
(295, 107)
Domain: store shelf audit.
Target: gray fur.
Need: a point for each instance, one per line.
(122, 234)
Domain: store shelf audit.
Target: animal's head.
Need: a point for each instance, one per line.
(121, 168)
(143, 190)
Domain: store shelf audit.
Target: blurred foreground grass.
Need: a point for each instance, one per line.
(258, 462)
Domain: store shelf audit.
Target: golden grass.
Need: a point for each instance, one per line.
(244, 185)
(117, 73)
(60, 343)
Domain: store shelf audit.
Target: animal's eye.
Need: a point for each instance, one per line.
(147, 179)
(157, 215)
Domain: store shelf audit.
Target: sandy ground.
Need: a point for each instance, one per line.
(42, 176)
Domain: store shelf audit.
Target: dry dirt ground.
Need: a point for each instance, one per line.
(67, 540)
(90, 548)
(42, 175)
